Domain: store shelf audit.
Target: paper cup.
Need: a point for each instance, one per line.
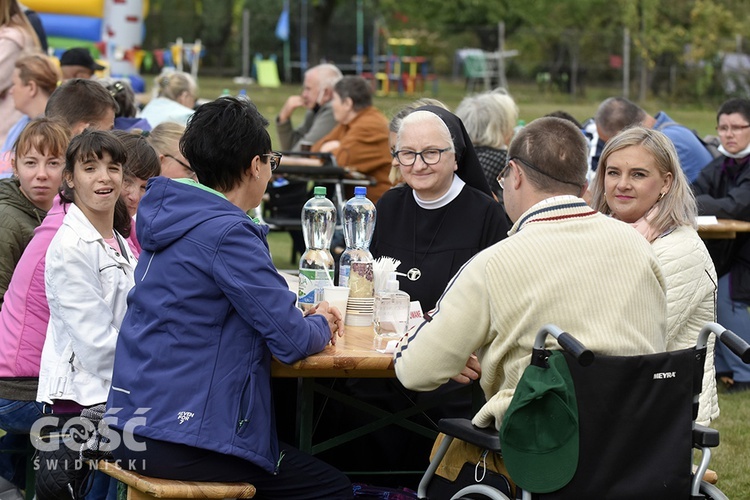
(337, 296)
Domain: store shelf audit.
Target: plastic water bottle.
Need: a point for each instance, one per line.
(519, 125)
(359, 224)
(316, 264)
(391, 316)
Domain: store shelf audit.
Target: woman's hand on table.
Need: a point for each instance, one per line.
(333, 317)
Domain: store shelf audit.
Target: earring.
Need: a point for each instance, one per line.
(257, 177)
(661, 195)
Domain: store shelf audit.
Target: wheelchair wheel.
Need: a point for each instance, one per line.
(479, 492)
(712, 492)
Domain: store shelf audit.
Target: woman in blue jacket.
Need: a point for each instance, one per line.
(191, 396)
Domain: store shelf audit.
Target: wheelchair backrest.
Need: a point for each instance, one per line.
(635, 425)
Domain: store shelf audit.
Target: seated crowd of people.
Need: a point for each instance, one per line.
(132, 277)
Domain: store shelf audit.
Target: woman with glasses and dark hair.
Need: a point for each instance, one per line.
(723, 189)
(207, 314)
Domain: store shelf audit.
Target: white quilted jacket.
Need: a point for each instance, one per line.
(691, 291)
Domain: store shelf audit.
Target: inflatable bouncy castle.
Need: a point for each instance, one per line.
(112, 29)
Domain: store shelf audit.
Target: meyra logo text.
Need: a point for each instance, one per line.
(662, 375)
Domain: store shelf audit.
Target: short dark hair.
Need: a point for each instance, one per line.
(616, 114)
(222, 138)
(557, 148)
(356, 88)
(565, 116)
(142, 162)
(94, 143)
(79, 100)
(735, 105)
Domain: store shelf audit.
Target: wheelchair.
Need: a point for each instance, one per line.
(637, 434)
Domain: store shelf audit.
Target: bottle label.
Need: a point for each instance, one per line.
(361, 280)
(344, 275)
(311, 284)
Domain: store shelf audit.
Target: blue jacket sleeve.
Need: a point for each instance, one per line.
(245, 272)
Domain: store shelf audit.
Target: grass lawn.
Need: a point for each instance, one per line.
(532, 104)
(732, 456)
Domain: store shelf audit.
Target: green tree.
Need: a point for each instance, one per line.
(217, 29)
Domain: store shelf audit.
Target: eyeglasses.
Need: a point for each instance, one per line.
(502, 174)
(181, 163)
(723, 129)
(501, 177)
(409, 158)
(274, 159)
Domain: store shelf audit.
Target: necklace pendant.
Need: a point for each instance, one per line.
(414, 274)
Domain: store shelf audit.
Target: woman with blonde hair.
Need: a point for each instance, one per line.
(165, 139)
(35, 77)
(176, 94)
(16, 36)
(639, 181)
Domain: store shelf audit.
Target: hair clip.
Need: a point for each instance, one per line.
(115, 88)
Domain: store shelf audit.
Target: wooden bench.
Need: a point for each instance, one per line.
(145, 488)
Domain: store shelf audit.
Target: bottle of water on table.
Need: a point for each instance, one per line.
(316, 264)
(359, 224)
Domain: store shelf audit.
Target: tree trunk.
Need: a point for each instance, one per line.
(321, 20)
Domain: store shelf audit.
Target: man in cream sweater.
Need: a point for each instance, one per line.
(564, 263)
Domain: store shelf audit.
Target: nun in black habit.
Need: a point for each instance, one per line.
(437, 220)
(433, 228)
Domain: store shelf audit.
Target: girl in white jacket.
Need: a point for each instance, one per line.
(89, 271)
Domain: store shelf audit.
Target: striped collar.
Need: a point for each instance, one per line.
(553, 208)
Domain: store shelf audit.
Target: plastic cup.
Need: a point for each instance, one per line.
(337, 296)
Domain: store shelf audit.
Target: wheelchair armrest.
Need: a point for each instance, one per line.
(705, 437)
(463, 429)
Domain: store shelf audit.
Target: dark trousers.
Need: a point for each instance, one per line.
(300, 476)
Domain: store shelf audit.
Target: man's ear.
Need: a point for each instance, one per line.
(584, 188)
(325, 95)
